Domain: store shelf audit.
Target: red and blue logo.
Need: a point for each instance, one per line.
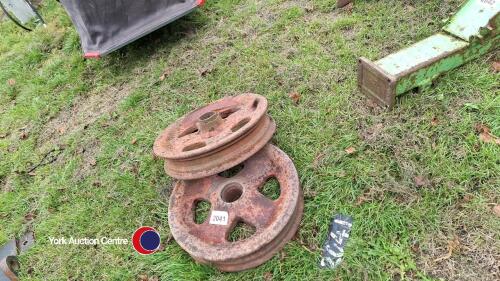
(146, 240)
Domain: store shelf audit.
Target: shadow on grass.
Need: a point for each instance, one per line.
(158, 43)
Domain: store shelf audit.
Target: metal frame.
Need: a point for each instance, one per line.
(472, 32)
(18, 23)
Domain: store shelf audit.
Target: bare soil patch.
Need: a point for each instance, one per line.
(84, 111)
(88, 153)
(469, 262)
(475, 253)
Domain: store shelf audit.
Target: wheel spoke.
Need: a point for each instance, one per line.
(184, 141)
(261, 213)
(233, 119)
(256, 172)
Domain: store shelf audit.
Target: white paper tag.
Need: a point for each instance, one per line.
(219, 218)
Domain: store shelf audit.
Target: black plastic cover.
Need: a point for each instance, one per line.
(107, 25)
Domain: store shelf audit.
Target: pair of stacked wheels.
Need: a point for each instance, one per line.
(197, 149)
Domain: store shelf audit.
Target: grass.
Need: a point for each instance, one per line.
(420, 176)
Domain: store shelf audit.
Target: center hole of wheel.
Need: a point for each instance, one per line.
(232, 192)
(208, 116)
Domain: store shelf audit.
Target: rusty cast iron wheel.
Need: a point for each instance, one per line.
(9, 266)
(238, 200)
(216, 137)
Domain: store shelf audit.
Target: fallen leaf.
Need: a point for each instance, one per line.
(134, 141)
(496, 66)
(489, 138)
(485, 134)
(23, 135)
(481, 128)
(165, 74)
(452, 246)
(61, 130)
(268, 276)
(295, 97)
(92, 162)
(434, 121)
(350, 150)
(11, 82)
(496, 210)
(421, 181)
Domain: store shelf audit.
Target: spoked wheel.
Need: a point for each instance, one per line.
(216, 137)
(234, 200)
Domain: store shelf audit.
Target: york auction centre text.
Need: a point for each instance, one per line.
(88, 241)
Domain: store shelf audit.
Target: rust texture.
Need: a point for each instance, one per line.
(376, 83)
(275, 221)
(8, 268)
(9, 264)
(216, 137)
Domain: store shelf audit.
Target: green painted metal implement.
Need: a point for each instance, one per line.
(470, 33)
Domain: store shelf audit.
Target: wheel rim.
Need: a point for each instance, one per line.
(275, 221)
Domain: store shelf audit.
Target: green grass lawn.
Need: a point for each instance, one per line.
(420, 176)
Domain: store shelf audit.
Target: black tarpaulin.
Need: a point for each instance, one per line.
(107, 25)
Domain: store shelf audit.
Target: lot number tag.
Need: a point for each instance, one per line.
(333, 250)
(219, 218)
